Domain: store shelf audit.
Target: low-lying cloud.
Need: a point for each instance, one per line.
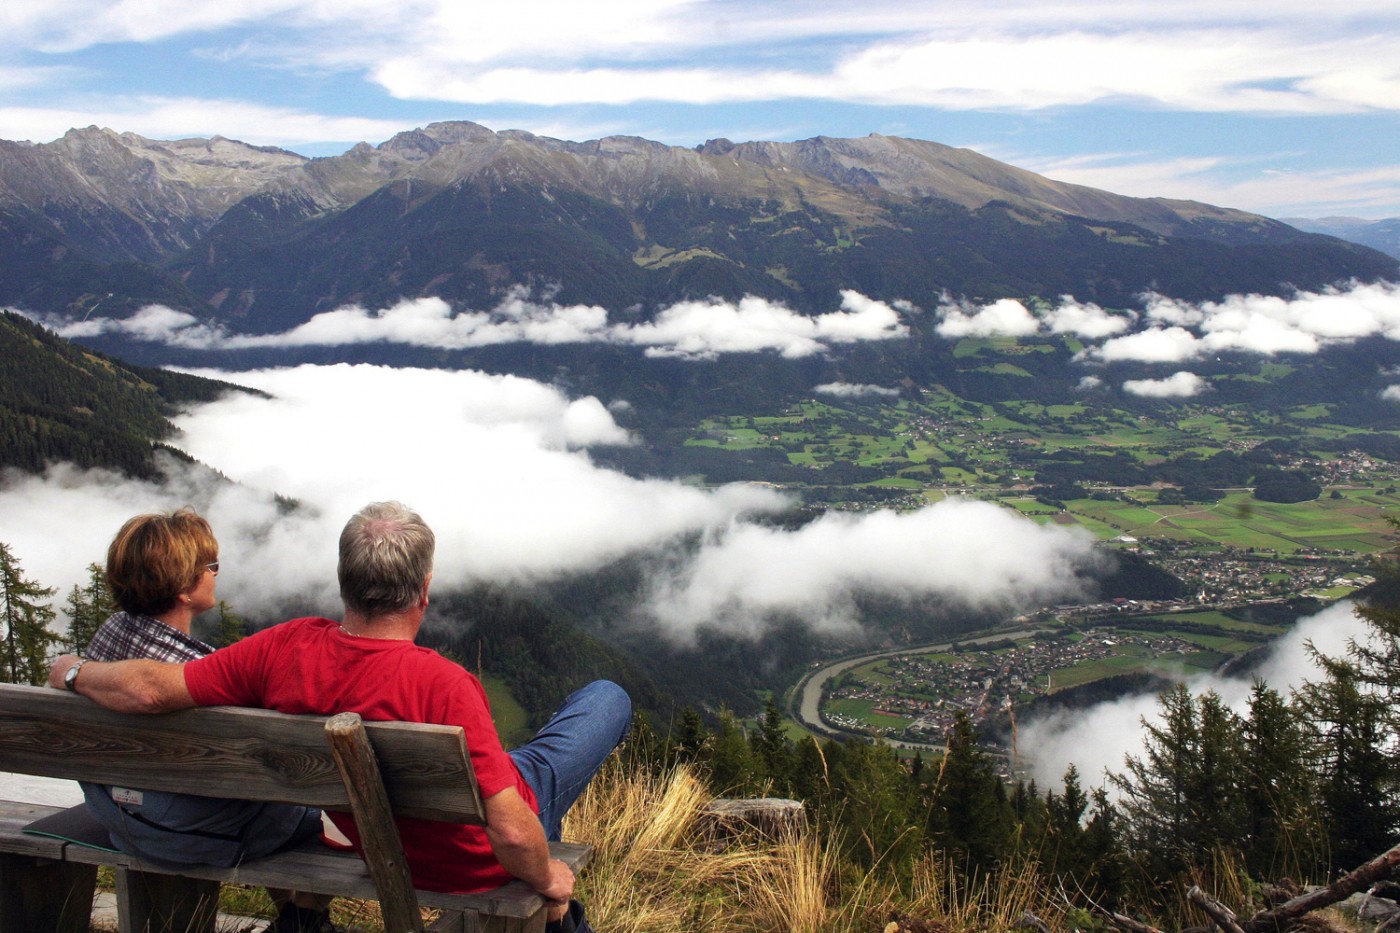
(1097, 739)
(688, 330)
(1171, 331)
(1177, 385)
(971, 553)
(499, 466)
(854, 390)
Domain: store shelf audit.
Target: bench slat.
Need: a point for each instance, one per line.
(232, 752)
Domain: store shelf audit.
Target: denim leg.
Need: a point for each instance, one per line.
(562, 758)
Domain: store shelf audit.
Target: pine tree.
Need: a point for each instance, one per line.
(772, 753)
(969, 812)
(1063, 852)
(88, 607)
(1357, 775)
(1277, 789)
(231, 627)
(1181, 800)
(24, 655)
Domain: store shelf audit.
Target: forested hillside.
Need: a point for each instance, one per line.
(61, 402)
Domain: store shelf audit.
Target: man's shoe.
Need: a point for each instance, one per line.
(572, 922)
(294, 919)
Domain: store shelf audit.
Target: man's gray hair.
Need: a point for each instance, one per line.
(386, 555)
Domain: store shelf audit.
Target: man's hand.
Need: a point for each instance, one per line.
(561, 882)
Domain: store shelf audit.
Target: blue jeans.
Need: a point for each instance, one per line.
(562, 758)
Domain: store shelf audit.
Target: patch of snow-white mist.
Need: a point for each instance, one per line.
(496, 466)
(1391, 393)
(1177, 385)
(854, 390)
(1171, 330)
(688, 329)
(971, 553)
(1097, 740)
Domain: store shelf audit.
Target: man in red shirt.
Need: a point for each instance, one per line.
(368, 664)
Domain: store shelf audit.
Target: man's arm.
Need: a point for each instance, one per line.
(136, 686)
(518, 842)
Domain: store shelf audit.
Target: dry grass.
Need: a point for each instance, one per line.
(658, 869)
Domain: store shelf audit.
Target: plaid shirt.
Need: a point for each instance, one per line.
(125, 636)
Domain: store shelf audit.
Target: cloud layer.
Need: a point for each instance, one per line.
(1096, 740)
(498, 465)
(1173, 332)
(687, 330)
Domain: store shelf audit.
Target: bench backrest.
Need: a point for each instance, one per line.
(223, 751)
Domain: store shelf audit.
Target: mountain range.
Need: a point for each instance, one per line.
(260, 239)
(1383, 235)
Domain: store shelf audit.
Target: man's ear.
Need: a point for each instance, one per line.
(426, 584)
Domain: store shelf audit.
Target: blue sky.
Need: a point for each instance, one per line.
(1287, 108)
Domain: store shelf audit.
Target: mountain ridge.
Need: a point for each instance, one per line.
(260, 239)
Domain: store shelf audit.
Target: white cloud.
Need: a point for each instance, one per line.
(1089, 383)
(1154, 345)
(690, 329)
(1088, 321)
(1391, 393)
(1177, 385)
(972, 553)
(1004, 318)
(492, 463)
(1096, 740)
(179, 117)
(854, 390)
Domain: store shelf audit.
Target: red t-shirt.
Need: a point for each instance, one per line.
(312, 666)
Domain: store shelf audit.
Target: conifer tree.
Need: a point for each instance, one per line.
(1358, 795)
(969, 812)
(88, 607)
(231, 627)
(24, 654)
(1277, 788)
(771, 752)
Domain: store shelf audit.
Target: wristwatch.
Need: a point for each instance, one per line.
(70, 679)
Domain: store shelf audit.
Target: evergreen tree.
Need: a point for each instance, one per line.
(1106, 879)
(969, 812)
(730, 761)
(1063, 852)
(24, 654)
(231, 627)
(1277, 789)
(1357, 794)
(771, 751)
(88, 607)
(1181, 800)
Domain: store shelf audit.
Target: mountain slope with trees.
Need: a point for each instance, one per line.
(260, 239)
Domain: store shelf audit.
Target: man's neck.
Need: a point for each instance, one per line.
(399, 626)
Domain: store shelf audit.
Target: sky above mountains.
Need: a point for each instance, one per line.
(1287, 109)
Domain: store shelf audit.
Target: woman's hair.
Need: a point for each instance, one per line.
(156, 557)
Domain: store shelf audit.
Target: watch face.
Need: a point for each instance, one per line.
(70, 678)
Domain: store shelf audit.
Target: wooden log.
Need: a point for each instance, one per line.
(1223, 916)
(379, 835)
(1268, 921)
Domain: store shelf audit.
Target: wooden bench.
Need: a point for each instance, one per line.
(372, 770)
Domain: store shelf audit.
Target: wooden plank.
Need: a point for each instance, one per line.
(230, 752)
(14, 816)
(379, 835)
(158, 903)
(312, 866)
